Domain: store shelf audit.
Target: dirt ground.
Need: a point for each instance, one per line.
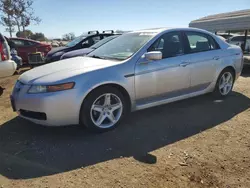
(199, 142)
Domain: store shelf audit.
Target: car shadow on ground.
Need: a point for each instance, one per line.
(28, 150)
(23, 70)
(246, 71)
(1, 90)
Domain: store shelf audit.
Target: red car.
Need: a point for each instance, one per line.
(27, 46)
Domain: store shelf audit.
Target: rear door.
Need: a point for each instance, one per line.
(205, 55)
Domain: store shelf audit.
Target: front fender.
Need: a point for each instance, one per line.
(93, 80)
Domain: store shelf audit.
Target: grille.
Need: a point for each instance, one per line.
(33, 115)
(35, 58)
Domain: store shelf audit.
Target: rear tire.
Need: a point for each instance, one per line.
(224, 84)
(103, 109)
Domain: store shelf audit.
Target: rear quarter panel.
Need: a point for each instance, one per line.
(230, 57)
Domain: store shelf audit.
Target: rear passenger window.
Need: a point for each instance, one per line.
(199, 42)
(96, 39)
(170, 45)
(18, 43)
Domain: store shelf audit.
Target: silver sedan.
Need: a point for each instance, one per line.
(135, 71)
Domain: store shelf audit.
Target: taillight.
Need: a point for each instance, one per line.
(3, 53)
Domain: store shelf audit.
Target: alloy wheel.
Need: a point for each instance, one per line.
(226, 83)
(106, 110)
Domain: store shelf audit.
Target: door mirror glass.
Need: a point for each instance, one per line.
(154, 55)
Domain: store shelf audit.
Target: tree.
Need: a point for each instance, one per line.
(7, 20)
(23, 34)
(69, 36)
(24, 14)
(17, 13)
(30, 35)
(38, 36)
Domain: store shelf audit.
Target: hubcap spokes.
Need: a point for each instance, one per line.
(226, 83)
(106, 110)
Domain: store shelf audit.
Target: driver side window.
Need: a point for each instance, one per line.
(169, 44)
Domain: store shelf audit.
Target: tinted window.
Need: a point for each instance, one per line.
(96, 39)
(22, 43)
(29, 43)
(18, 42)
(75, 41)
(199, 42)
(105, 36)
(239, 38)
(170, 44)
(91, 41)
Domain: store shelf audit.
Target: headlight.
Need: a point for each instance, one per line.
(51, 88)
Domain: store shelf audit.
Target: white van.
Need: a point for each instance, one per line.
(7, 66)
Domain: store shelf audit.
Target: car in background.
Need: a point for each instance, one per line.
(225, 35)
(7, 66)
(221, 37)
(239, 41)
(25, 47)
(85, 51)
(137, 70)
(14, 56)
(83, 41)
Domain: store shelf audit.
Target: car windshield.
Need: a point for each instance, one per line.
(75, 41)
(103, 41)
(122, 47)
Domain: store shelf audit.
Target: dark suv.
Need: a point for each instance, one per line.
(83, 41)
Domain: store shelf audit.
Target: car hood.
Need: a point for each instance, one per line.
(57, 49)
(75, 53)
(64, 69)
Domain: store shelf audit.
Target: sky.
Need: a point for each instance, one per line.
(78, 16)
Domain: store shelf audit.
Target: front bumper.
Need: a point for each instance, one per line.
(51, 109)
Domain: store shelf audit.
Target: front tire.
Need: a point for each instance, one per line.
(224, 84)
(103, 109)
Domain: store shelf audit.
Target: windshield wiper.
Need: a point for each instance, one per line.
(97, 57)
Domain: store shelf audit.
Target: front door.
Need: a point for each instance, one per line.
(165, 78)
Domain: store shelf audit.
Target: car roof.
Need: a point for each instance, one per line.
(19, 38)
(99, 34)
(161, 30)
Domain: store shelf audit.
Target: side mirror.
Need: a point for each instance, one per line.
(154, 55)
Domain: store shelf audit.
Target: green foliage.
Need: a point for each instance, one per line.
(24, 34)
(38, 36)
(7, 12)
(34, 36)
(69, 36)
(17, 13)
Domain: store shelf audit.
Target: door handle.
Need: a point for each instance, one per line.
(216, 58)
(184, 64)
